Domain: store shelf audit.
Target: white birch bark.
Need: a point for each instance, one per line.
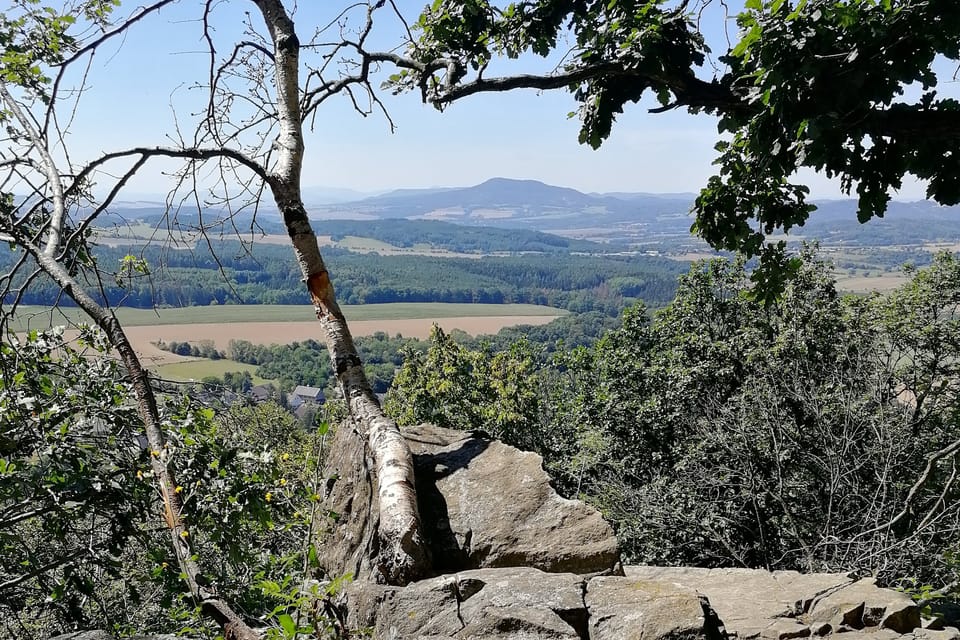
(403, 555)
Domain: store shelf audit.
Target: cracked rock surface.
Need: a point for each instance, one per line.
(522, 602)
(649, 603)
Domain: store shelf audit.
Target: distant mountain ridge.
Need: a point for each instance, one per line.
(641, 219)
(506, 202)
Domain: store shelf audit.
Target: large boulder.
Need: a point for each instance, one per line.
(749, 601)
(487, 504)
(483, 504)
(626, 608)
(862, 604)
(783, 605)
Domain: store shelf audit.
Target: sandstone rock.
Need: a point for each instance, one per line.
(748, 600)
(486, 504)
(628, 608)
(502, 603)
(522, 603)
(862, 604)
(946, 633)
(353, 504)
(425, 608)
(785, 629)
(483, 504)
(821, 628)
(518, 603)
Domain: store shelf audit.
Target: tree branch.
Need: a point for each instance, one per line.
(49, 168)
(950, 450)
(170, 152)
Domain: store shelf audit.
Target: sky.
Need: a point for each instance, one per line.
(139, 93)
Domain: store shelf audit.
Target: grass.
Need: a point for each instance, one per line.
(356, 243)
(199, 369)
(35, 316)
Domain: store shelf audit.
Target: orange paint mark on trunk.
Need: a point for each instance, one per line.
(321, 292)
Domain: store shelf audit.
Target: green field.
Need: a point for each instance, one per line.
(199, 369)
(362, 245)
(38, 317)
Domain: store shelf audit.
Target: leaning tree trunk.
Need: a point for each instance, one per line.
(403, 555)
(234, 627)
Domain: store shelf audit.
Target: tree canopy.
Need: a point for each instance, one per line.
(846, 87)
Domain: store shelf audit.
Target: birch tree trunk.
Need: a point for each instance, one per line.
(403, 555)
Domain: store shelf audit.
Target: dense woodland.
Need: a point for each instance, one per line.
(720, 431)
(264, 274)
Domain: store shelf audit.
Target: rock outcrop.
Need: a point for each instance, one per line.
(484, 504)
(782, 605)
(649, 603)
(515, 560)
(523, 602)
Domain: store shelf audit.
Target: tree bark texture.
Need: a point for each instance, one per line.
(233, 625)
(403, 555)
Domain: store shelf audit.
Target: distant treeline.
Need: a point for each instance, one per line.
(267, 274)
(453, 237)
(308, 362)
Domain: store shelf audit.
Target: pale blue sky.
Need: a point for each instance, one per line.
(136, 87)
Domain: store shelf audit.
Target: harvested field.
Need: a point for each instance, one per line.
(869, 284)
(287, 332)
(40, 317)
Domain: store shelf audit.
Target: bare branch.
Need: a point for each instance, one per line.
(171, 152)
(950, 450)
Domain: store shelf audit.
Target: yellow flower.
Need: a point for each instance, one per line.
(184, 534)
(155, 453)
(179, 489)
(283, 482)
(163, 566)
(140, 475)
(269, 496)
(285, 456)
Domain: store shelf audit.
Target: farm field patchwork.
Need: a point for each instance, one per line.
(199, 368)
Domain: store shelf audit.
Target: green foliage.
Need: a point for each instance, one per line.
(76, 497)
(726, 430)
(34, 38)
(456, 387)
(71, 497)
